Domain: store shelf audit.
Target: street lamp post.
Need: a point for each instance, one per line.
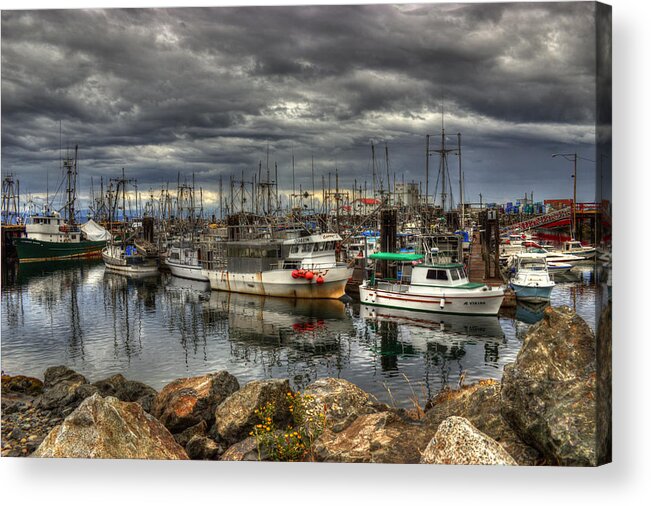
(571, 157)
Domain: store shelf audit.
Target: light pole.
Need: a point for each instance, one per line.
(571, 157)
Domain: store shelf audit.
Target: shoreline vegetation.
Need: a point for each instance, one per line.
(552, 407)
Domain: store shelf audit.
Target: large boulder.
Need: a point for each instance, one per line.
(340, 400)
(457, 442)
(383, 437)
(548, 394)
(479, 403)
(125, 390)
(235, 417)
(60, 390)
(107, 428)
(187, 401)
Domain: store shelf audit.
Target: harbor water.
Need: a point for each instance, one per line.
(160, 328)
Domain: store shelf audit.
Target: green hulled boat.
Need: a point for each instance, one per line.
(50, 238)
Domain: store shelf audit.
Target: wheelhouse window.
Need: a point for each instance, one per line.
(307, 248)
(294, 249)
(455, 274)
(437, 274)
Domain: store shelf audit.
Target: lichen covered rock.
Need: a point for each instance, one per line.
(480, 404)
(203, 448)
(126, 390)
(244, 451)
(379, 437)
(457, 441)
(235, 417)
(341, 401)
(21, 384)
(60, 390)
(548, 394)
(187, 401)
(107, 428)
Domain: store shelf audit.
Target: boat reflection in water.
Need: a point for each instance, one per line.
(530, 312)
(436, 350)
(300, 339)
(277, 321)
(442, 324)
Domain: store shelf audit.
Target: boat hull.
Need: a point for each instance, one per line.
(146, 266)
(33, 250)
(476, 303)
(279, 283)
(186, 271)
(532, 293)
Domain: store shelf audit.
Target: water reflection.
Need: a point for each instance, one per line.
(530, 312)
(155, 329)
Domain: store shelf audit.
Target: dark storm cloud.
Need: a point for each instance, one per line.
(206, 90)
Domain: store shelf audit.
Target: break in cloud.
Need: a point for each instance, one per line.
(206, 90)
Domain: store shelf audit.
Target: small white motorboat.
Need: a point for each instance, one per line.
(127, 259)
(432, 287)
(577, 249)
(531, 281)
(184, 262)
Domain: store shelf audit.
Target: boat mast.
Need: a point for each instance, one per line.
(71, 187)
(463, 211)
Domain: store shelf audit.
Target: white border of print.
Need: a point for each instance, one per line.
(33, 481)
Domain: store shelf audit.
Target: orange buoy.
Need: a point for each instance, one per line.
(309, 275)
(295, 274)
(320, 280)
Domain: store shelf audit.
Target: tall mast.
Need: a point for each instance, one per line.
(463, 211)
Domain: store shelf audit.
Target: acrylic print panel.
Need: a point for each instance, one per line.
(376, 233)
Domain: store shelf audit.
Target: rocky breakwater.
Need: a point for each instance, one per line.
(542, 412)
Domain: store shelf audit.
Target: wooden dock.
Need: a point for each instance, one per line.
(477, 272)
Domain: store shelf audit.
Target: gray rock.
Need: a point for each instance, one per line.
(246, 450)
(548, 393)
(457, 442)
(203, 448)
(480, 404)
(60, 390)
(235, 417)
(187, 401)
(105, 427)
(183, 438)
(125, 390)
(340, 400)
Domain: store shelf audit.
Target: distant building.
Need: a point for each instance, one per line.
(407, 194)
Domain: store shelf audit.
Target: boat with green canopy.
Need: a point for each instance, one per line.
(431, 287)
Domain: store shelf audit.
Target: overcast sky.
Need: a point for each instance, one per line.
(206, 90)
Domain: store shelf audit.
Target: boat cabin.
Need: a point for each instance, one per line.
(531, 262)
(51, 227)
(573, 247)
(311, 252)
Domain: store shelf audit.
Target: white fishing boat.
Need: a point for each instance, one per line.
(431, 287)
(302, 268)
(127, 259)
(575, 248)
(183, 262)
(531, 281)
(558, 267)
